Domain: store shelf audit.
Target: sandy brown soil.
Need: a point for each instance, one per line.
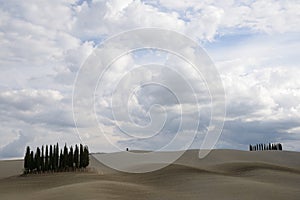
(223, 174)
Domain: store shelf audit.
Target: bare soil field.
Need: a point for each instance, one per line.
(223, 174)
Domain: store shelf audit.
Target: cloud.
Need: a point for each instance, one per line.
(36, 107)
(254, 44)
(15, 149)
(259, 16)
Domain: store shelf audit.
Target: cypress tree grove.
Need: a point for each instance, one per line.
(263, 147)
(48, 159)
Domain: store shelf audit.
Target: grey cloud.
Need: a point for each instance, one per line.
(16, 147)
(43, 49)
(36, 107)
(242, 133)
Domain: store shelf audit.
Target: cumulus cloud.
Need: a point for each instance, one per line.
(254, 44)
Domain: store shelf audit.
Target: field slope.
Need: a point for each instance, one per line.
(223, 174)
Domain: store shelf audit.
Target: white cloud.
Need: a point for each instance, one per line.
(255, 45)
(262, 16)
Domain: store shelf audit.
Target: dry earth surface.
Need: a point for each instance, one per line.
(223, 174)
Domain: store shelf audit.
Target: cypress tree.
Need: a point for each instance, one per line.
(71, 158)
(86, 157)
(46, 159)
(42, 160)
(61, 160)
(56, 156)
(38, 159)
(65, 161)
(280, 147)
(52, 147)
(53, 158)
(50, 158)
(76, 156)
(27, 161)
(32, 162)
(81, 156)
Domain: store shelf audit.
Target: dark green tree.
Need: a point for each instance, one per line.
(43, 160)
(32, 162)
(86, 159)
(50, 158)
(71, 158)
(56, 156)
(27, 161)
(65, 161)
(81, 156)
(46, 159)
(76, 157)
(61, 160)
(38, 159)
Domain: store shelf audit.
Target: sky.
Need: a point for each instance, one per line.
(254, 46)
